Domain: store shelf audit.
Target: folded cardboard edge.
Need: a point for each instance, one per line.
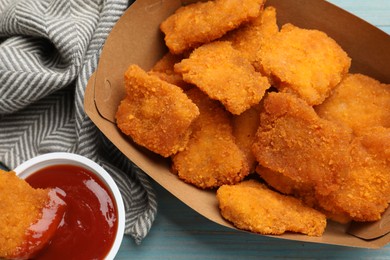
(371, 230)
(141, 18)
(115, 58)
(109, 77)
(203, 202)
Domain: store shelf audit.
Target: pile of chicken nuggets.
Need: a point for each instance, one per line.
(269, 117)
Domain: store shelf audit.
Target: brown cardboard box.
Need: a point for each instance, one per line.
(136, 39)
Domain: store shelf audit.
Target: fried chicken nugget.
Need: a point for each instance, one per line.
(365, 194)
(287, 186)
(251, 206)
(249, 37)
(358, 102)
(23, 217)
(154, 113)
(303, 191)
(211, 157)
(202, 22)
(245, 127)
(305, 62)
(220, 71)
(294, 141)
(164, 70)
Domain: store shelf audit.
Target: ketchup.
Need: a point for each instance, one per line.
(89, 225)
(41, 231)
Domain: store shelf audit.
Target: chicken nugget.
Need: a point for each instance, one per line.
(365, 193)
(245, 127)
(249, 37)
(211, 157)
(358, 102)
(303, 191)
(202, 22)
(287, 186)
(164, 70)
(23, 216)
(305, 62)
(251, 206)
(220, 71)
(294, 141)
(166, 63)
(154, 113)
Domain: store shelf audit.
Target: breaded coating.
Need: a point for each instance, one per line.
(287, 186)
(363, 190)
(211, 157)
(358, 102)
(249, 37)
(164, 70)
(251, 206)
(303, 191)
(294, 141)
(365, 194)
(305, 62)
(245, 127)
(154, 113)
(223, 74)
(202, 22)
(21, 208)
(165, 64)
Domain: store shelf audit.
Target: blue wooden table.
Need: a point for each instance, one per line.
(181, 233)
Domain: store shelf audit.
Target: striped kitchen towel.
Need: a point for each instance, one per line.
(48, 51)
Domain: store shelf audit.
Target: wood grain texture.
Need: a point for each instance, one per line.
(376, 12)
(181, 233)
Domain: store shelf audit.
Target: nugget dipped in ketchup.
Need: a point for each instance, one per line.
(29, 217)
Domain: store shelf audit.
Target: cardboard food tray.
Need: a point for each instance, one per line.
(136, 39)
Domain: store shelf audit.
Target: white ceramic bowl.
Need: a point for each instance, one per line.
(33, 165)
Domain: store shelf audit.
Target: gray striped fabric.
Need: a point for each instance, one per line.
(48, 50)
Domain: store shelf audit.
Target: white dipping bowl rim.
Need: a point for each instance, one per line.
(62, 158)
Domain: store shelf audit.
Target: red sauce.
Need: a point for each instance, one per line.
(88, 228)
(39, 234)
